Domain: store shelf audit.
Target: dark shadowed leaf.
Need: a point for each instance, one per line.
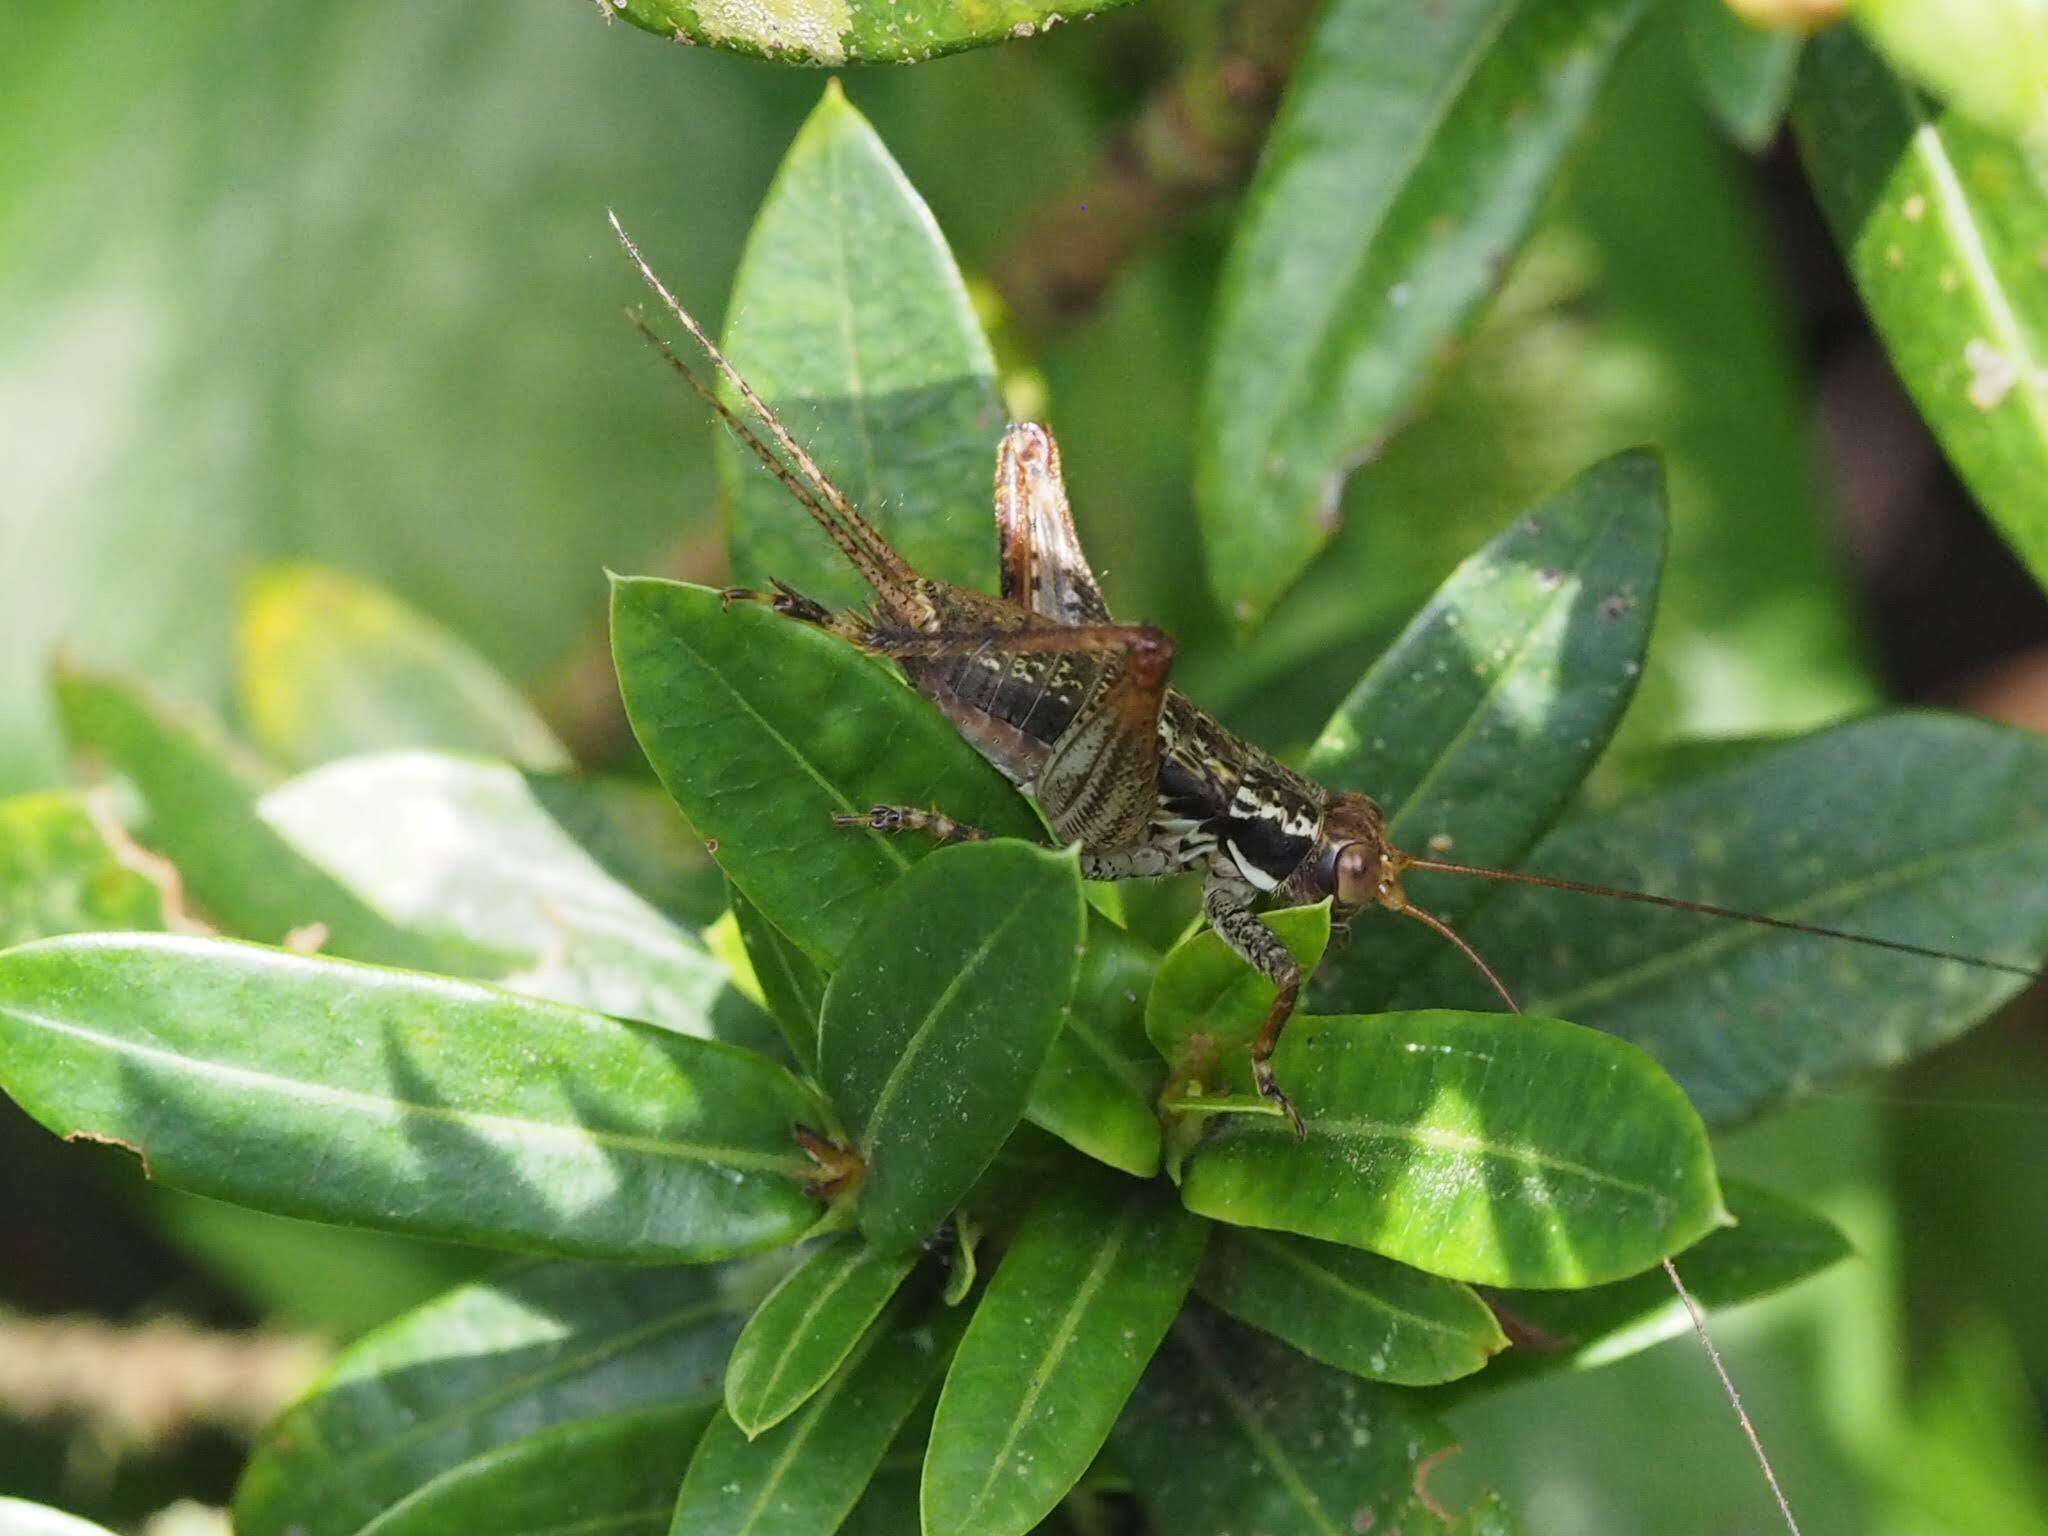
(1348, 1308)
(329, 666)
(791, 984)
(58, 873)
(805, 1474)
(1745, 72)
(616, 1475)
(940, 1017)
(849, 318)
(835, 32)
(423, 1105)
(1101, 1079)
(1485, 1147)
(1477, 724)
(1925, 828)
(1082, 1298)
(807, 1325)
(1206, 1004)
(1407, 162)
(1942, 224)
(486, 1365)
(763, 730)
(1233, 1432)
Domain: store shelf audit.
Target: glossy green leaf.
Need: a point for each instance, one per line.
(830, 33)
(1351, 1309)
(1942, 225)
(201, 791)
(537, 1346)
(1087, 1290)
(763, 730)
(635, 831)
(1774, 1243)
(1745, 72)
(1477, 725)
(460, 849)
(1918, 827)
(328, 666)
(1100, 1083)
(425, 1105)
(1988, 59)
(18, 1517)
(1485, 1147)
(850, 319)
(1232, 1432)
(939, 1019)
(615, 1474)
(791, 983)
(805, 1474)
(1206, 1004)
(806, 1327)
(1405, 167)
(58, 874)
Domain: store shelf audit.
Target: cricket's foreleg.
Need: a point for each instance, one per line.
(1227, 904)
(912, 818)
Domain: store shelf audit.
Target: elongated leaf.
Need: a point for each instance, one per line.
(849, 318)
(1101, 1079)
(422, 1104)
(1354, 1310)
(939, 1020)
(1477, 724)
(327, 666)
(889, 1507)
(484, 1366)
(763, 730)
(1919, 827)
(59, 875)
(1081, 1301)
(1231, 1432)
(1942, 225)
(612, 1474)
(18, 1517)
(791, 984)
(635, 831)
(1407, 162)
(201, 794)
(1206, 1004)
(1773, 1244)
(1485, 1147)
(809, 1471)
(1745, 72)
(460, 849)
(835, 32)
(1988, 59)
(808, 1325)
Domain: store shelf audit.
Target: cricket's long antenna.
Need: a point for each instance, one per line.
(855, 536)
(1432, 921)
(1763, 920)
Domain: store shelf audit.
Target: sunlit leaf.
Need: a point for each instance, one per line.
(1988, 59)
(1206, 1004)
(58, 874)
(834, 32)
(18, 1517)
(635, 831)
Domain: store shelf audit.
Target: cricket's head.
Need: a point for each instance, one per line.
(1353, 861)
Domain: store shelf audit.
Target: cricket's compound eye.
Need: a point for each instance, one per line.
(1361, 875)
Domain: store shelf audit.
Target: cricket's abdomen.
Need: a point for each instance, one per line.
(1252, 809)
(1011, 709)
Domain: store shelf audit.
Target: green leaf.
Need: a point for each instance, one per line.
(1233, 1432)
(462, 850)
(615, 1474)
(1101, 1079)
(850, 319)
(1773, 1244)
(328, 666)
(889, 1507)
(1405, 167)
(805, 1474)
(939, 1019)
(634, 830)
(58, 874)
(1918, 827)
(1206, 1004)
(1493, 1148)
(201, 792)
(791, 983)
(806, 1327)
(1354, 1310)
(1744, 71)
(422, 1104)
(537, 1346)
(830, 33)
(1942, 225)
(1475, 727)
(1988, 59)
(18, 1517)
(1084, 1295)
(762, 730)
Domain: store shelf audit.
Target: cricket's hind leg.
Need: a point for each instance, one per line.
(792, 604)
(1227, 904)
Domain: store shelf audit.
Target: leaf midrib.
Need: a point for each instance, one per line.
(800, 1332)
(1331, 1280)
(1263, 1440)
(1443, 1139)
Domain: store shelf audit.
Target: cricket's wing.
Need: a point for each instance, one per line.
(1043, 565)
